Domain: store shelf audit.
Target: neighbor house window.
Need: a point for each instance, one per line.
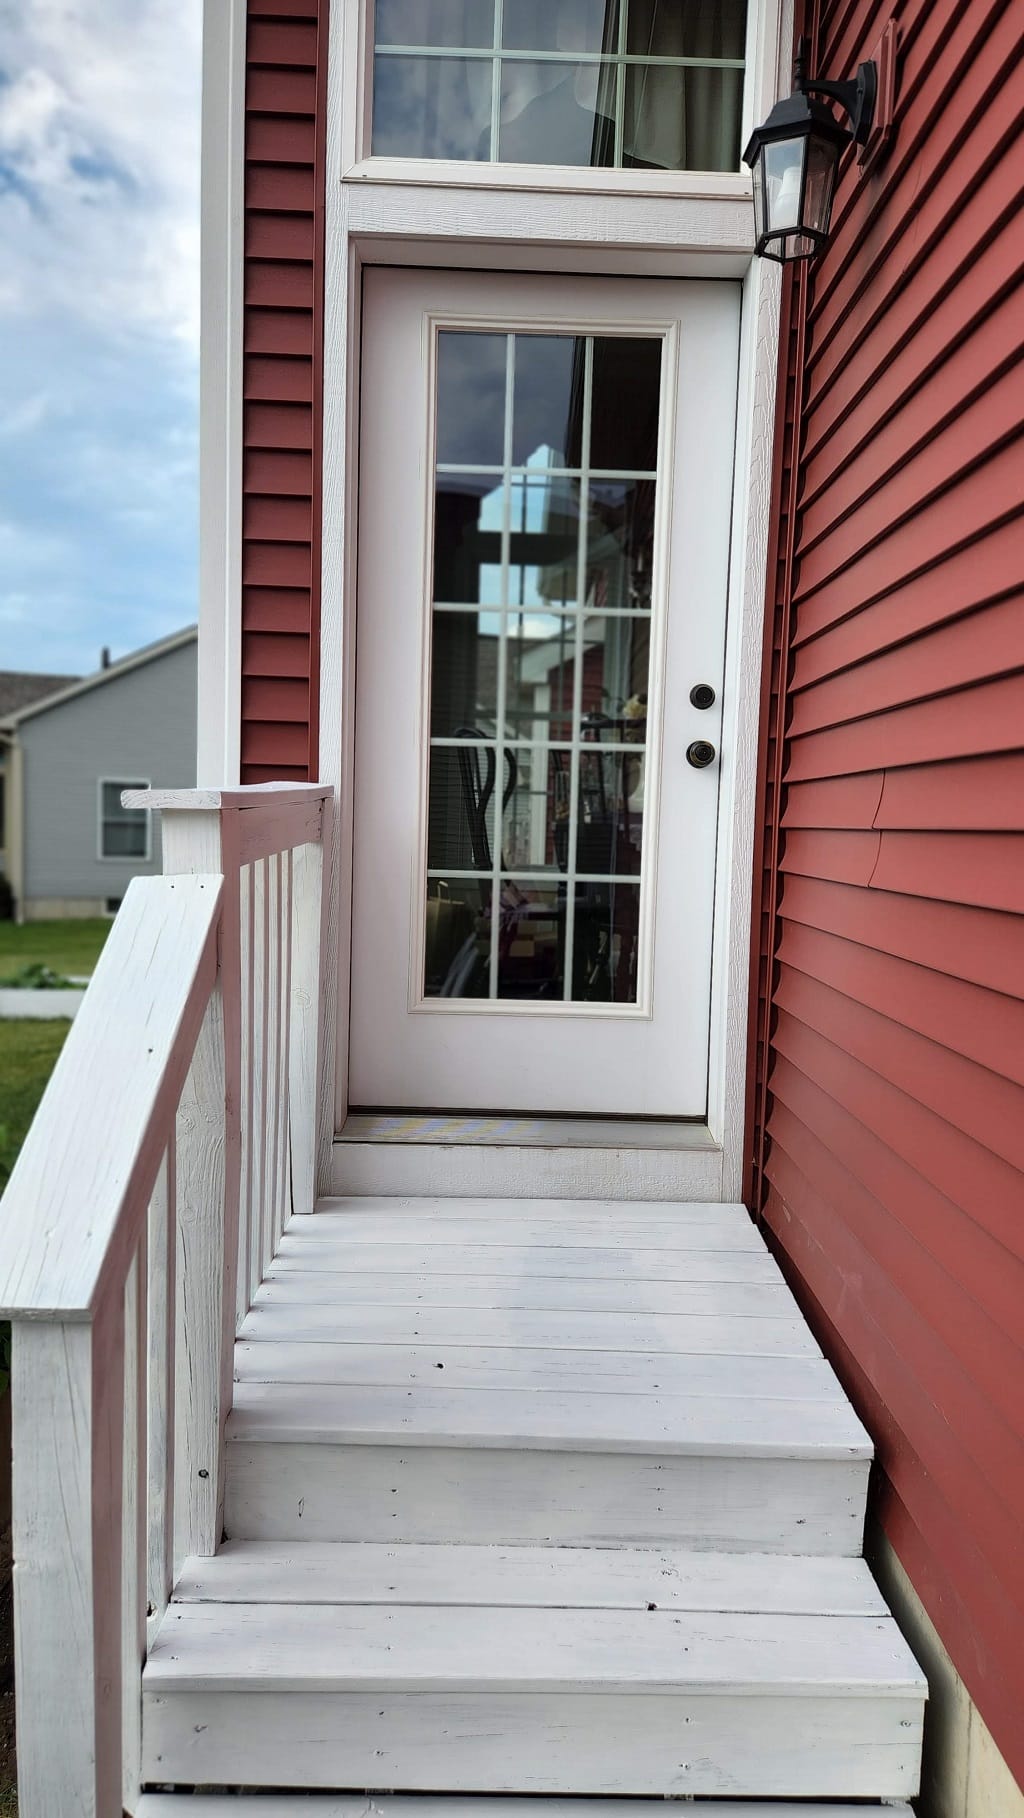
(124, 832)
(634, 84)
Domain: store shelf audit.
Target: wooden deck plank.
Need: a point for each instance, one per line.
(383, 1805)
(502, 1419)
(634, 1578)
(710, 1213)
(619, 1332)
(389, 1648)
(643, 1225)
(309, 1250)
(265, 1356)
(311, 1286)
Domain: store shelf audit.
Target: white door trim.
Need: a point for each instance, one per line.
(220, 394)
(447, 240)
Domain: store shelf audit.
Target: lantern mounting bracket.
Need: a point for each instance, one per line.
(856, 98)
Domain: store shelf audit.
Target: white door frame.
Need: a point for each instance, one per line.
(373, 222)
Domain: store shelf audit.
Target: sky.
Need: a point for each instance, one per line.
(99, 327)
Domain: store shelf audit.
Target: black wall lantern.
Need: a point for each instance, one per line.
(795, 157)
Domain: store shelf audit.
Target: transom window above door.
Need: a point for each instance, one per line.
(626, 84)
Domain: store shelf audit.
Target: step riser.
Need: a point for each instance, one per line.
(850, 1746)
(292, 1491)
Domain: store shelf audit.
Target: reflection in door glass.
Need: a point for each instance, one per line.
(544, 534)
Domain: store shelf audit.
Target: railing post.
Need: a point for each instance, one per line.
(68, 1414)
(208, 1167)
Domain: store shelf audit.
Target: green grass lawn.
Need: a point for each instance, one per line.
(28, 1051)
(70, 948)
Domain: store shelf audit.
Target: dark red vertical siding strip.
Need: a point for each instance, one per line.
(286, 88)
(886, 1089)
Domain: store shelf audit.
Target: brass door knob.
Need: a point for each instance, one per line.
(700, 754)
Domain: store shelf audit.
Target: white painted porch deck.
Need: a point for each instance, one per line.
(531, 1497)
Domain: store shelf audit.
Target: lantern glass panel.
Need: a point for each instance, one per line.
(822, 158)
(783, 171)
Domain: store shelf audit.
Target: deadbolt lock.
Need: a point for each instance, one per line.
(700, 754)
(702, 695)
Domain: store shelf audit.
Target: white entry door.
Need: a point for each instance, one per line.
(545, 491)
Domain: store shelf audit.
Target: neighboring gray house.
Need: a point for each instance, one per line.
(71, 847)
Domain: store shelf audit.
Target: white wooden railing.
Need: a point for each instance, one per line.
(176, 1137)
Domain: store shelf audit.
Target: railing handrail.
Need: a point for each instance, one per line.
(247, 795)
(81, 1186)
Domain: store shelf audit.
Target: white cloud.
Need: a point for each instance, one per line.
(99, 321)
(99, 125)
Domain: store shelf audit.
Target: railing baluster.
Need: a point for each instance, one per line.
(243, 1295)
(259, 1071)
(304, 1022)
(282, 1207)
(273, 1080)
(162, 1324)
(134, 1525)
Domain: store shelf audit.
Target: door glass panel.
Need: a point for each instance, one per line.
(540, 667)
(642, 84)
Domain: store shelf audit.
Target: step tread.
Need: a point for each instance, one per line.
(508, 1419)
(361, 1572)
(267, 1357)
(305, 1246)
(471, 1652)
(297, 1315)
(348, 1805)
(603, 1224)
(298, 1276)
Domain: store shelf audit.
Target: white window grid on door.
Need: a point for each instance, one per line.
(616, 60)
(505, 611)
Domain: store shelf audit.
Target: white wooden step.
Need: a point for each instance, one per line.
(498, 1371)
(434, 1414)
(323, 1462)
(505, 1696)
(626, 1578)
(269, 1356)
(297, 1307)
(552, 1223)
(292, 1280)
(305, 1246)
(341, 1805)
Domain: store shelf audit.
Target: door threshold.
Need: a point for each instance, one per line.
(496, 1131)
(410, 1155)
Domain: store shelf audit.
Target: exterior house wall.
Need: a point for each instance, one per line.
(137, 726)
(286, 72)
(888, 1100)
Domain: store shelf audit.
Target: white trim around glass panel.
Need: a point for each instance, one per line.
(545, 487)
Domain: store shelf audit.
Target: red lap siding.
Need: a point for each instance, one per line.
(888, 1078)
(286, 67)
